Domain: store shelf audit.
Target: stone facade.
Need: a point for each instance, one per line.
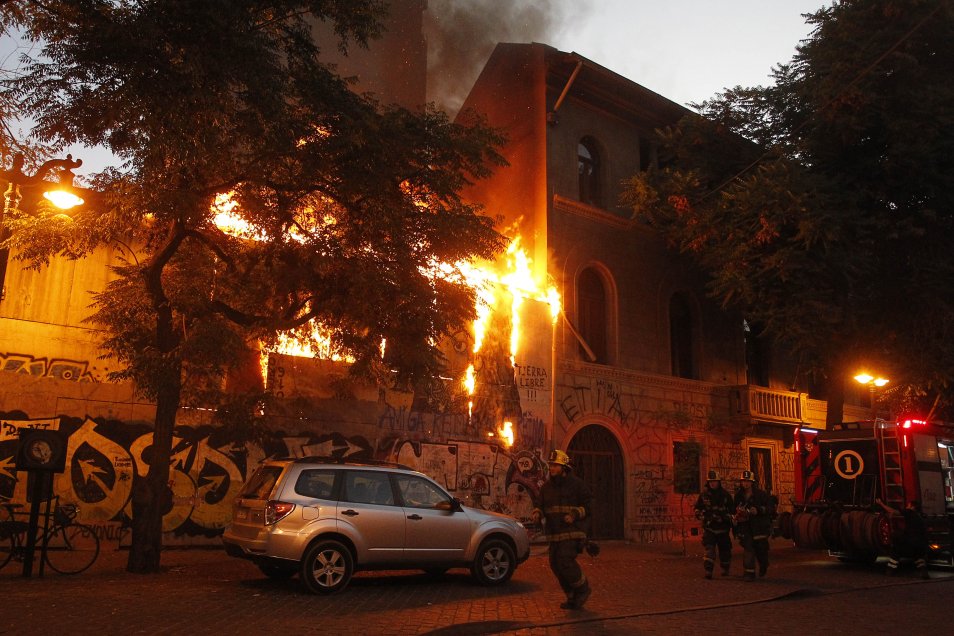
(640, 434)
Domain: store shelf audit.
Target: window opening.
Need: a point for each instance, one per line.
(591, 302)
(680, 338)
(588, 160)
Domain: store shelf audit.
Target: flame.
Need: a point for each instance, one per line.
(307, 219)
(520, 282)
(470, 380)
(317, 345)
(506, 434)
(521, 285)
(517, 280)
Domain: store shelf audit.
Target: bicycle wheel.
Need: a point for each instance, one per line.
(71, 549)
(6, 543)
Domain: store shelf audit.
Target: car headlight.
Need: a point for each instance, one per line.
(520, 525)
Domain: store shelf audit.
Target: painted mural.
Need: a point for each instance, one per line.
(104, 457)
(452, 438)
(58, 368)
(647, 426)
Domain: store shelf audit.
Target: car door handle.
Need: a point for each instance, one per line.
(415, 517)
(350, 513)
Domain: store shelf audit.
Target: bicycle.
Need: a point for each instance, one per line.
(71, 547)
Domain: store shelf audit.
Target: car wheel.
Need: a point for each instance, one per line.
(277, 572)
(494, 563)
(327, 567)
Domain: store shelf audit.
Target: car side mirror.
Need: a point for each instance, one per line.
(452, 505)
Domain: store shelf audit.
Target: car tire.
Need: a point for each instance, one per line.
(276, 572)
(327, 567)
(494, 562)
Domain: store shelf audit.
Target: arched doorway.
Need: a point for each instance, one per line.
(598, 461)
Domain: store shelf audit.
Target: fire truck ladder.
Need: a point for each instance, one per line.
(889, 457)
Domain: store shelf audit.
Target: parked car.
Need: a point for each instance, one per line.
(326, 520)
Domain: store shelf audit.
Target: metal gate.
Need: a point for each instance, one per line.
(598, 461)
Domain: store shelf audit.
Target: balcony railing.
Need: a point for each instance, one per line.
(769, 405)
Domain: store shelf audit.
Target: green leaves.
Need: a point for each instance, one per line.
(817, 204)
(348, 202)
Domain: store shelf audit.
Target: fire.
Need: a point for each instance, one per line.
(492, 283)
(517, 281)
(226, 219)
(470, 383)
(318, 345)
(506, 433)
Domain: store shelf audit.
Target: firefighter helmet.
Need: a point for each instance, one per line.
(713, 475)
(559, 457)
(747, 475)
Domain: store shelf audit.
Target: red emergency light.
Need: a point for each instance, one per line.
(910, 423)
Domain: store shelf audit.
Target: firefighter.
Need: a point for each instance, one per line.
(714, 508)
(913, 542)
(565, 505)
(753, 525)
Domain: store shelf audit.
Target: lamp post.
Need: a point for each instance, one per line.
(872, 382)
(59, 194)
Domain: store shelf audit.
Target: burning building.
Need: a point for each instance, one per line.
(591, 337)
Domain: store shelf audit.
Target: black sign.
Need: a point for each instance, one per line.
(40, 449)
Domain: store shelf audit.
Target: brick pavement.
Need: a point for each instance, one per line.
(206, 592)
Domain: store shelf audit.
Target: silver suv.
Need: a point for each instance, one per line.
(326, 520)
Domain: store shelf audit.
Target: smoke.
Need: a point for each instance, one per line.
(461, 35)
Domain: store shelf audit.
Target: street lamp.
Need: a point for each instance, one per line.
(872, 383)
(60, 194)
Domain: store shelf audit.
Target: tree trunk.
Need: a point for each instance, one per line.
(152, 497)
(835, 411)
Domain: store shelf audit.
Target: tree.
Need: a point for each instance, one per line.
(821, 205)
(349, 204)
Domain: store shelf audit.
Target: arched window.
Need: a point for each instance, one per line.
(681, 344)
(591, 310)
(588, 160)
(757, 355)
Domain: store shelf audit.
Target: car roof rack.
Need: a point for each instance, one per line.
(324, 459)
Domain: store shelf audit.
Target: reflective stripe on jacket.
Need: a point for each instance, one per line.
(561, 496)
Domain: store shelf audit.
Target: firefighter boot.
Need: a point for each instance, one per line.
(708, 570)
(725, 569)
(921, 566)
(763, 568)
(581, 595)
(568, 603)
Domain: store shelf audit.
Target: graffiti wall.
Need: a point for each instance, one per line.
(649, 421)
(61, 369)
(104, 457)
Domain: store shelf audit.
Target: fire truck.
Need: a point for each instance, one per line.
(841, 473)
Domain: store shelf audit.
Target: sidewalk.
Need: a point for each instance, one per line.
(203, 591)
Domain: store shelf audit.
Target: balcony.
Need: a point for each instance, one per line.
(769, 405)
